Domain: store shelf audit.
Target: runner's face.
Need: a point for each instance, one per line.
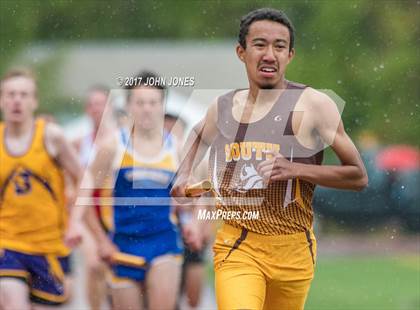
(18, 99)
(95, 106)
(146, 107)
(267, 54)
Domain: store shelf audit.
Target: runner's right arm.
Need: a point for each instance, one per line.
(198, 142)
(99, 170)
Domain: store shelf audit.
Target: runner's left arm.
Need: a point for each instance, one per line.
(351, 174)
(64, 153)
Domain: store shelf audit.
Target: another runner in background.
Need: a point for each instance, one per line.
(193, 268)
(34, 155)
(142, 160)
(102, 124)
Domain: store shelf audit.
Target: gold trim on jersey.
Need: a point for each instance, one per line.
(166, 163)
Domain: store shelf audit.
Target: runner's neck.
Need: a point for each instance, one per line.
(256, 92)
(147, 134)
(19, 129)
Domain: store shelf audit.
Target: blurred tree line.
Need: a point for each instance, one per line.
(366, 51)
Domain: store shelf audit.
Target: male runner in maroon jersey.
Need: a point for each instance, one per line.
(266, 154)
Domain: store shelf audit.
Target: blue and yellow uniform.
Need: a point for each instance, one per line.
(143, 222)
(33, 218)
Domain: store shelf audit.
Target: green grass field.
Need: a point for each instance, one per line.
(357, 283)
(364, 283)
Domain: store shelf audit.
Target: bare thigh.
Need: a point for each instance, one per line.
(162, 283)
(96, 271)
(194, 277)
(14, 294)
(127, 296)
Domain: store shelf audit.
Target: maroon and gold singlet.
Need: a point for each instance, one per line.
(285, 207)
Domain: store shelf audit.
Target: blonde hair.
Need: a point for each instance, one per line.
(19, 72)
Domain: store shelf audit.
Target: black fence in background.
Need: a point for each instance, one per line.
(390, 195)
